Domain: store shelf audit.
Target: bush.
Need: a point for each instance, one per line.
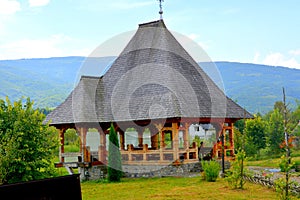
(211, 170)
(235, 175)
(297, 166)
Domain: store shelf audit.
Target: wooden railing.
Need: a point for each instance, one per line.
(159, 156)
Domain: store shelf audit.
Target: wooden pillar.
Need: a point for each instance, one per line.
(62, 145)
(154, 140)
(83, 133)
(154, 137)
(122, 139)
(186, 136)
(175, 140)
(102, 146)
(162, 144)
(232, 135)
(140, 131)
(217, 148)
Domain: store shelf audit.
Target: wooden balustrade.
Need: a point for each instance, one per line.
(159, 156)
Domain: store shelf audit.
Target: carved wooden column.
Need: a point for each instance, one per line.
(122, 139)
(102, 146)
(140, 131)
(219, 131)
(232, 135)
(154, 137)
(83, 133)
(175, 140)
(186, 144)
(161, 139)
(62, 144)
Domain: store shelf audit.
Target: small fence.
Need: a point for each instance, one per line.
(269, 181)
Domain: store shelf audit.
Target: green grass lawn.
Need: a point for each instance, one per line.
(172, 188)
(272, 162)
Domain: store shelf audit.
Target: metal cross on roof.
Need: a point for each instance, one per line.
(160, 6)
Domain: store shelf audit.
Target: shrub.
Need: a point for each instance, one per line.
(235, 175)
(211, 170)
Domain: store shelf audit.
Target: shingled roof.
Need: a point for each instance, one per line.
(153, 78)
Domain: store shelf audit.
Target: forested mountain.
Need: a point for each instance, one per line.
(48, 81)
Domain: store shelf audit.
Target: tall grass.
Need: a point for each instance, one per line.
(211, 170)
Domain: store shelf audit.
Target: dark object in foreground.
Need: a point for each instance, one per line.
(60, 188)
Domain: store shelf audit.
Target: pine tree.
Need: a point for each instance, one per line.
(114, 157)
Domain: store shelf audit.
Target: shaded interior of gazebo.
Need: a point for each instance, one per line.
(165, 94)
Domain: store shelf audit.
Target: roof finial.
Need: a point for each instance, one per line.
(160, 6)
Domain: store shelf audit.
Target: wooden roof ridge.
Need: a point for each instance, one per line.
(157, 23)
(90, 77)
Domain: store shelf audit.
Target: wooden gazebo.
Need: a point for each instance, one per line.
(156, 85)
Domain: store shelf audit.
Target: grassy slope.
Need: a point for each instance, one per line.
(273, 162)
(172, 188)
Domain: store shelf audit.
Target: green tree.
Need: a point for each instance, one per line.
(114, 157)
(238, 138)
(255, 136)
(71, 137)
(240, 125)
(275, 134)
(27, 144)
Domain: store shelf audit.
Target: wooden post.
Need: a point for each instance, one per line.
(175, 140)
(122, 139)
(140, 131)
(154, 137)
(232, 136)
(186, 144)
(102, 148)
(83, 132)
(62, 145)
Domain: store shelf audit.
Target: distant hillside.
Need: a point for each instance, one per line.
(257, 87)
(48, 81)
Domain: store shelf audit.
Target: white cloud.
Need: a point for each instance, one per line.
(38, 3)
(39, 48)
(295, 52)
(256, 57)
(278, 59)
(9, 7)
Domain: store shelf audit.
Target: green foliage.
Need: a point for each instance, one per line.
(72, 148)
(281, 185)
(114, 157)
(275, 132)
(27, 145)
(255, 136)
(197, 140)
(71, 137)
(237, 171)
(238, 138)
(211, 170)
(285, 164)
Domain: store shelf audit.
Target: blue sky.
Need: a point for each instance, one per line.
(264, 32)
